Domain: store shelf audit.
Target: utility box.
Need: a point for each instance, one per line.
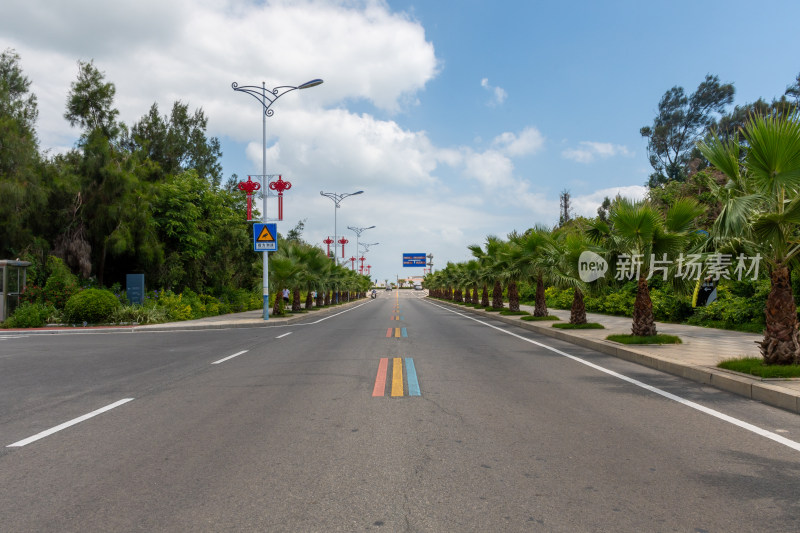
(12, 284)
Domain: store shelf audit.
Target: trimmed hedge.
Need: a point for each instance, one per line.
(92, 306)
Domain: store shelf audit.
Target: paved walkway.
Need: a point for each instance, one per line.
(695, 359)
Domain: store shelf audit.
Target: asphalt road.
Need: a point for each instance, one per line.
(292, 433)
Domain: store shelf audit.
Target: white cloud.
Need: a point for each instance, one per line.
(499, 94)
(587, 204)
(529, 141)
(421, 197)
(589, 151)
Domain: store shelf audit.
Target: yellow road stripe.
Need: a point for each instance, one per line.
(397, 376)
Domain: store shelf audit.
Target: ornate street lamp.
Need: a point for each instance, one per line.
(358, 232)
(266, 98)
(337, 199)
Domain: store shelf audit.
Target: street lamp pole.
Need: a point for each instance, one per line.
(266, 98)
(337, 199)
(358, 232)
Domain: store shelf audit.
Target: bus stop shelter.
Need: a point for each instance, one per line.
(12, 283)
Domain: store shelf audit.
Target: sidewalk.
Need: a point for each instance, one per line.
(695, 359)
(247, 319)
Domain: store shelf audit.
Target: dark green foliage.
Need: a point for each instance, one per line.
(176, 143)
(680, 122)
(755, 366)
(652, 339)
(91, 305)
(540, 318)
(739, 305)
(587, 325)
(30, 315)
(508, 312)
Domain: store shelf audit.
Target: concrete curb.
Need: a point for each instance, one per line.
(733, 382)
(182, 326)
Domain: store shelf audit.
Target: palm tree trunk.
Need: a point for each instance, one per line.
(276, 309)
(468, 296)
(540, 306)
(781, 345)
(578, 312)
(320, 299)
(309, 300)
(295, 300)
(475, 298)
(485, 296)
(643, 321)
(327, 297)
(497, 295)
(513, 296)
(457, 296)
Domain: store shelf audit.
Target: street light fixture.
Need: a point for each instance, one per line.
(337, 199)
(358, 232)
(267, 97)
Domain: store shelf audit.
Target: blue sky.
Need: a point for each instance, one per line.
(458, 119)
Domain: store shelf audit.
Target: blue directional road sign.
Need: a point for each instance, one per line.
(265, 237)
(414, 260)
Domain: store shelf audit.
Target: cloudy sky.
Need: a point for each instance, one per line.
(458, 118)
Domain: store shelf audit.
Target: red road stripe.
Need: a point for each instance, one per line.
(389, 332)
(380, 379)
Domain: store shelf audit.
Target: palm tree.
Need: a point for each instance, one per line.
(761, 209)
(283, 272)
(565, 251)
(486, 273)
(639, 233)
(535, 263)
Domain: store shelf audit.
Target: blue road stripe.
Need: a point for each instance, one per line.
(404, 332)
(411, 375)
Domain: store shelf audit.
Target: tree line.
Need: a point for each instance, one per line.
(723, 194)
(145, 198)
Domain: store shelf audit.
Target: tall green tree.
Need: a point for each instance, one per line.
(761, 213)
(90, 104)
(681, 121)
(23, 196)
(177, 142)
(638, 234)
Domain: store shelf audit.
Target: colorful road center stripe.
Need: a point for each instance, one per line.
(380, 380)
(397, 377)
(411, 376)
(397, 382)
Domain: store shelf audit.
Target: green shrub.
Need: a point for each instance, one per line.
(30, 315)
(559, 298)
(91, 305)
(174, 306)
(138, 314)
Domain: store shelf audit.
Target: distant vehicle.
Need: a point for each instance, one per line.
(417, 287)
(388, 288)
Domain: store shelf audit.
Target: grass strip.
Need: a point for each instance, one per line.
(509, 312)
(651, 339)
(532, 318)
(755, 367)
(588, 325)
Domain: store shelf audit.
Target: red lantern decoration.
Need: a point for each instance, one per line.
(280, 186)
(249, 187)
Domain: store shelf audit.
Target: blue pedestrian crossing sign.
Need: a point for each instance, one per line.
(265, 237)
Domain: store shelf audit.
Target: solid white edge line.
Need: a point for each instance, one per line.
(722, 416)
(65, 425)
(282, 336)
(327, 317)
(229, 357)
